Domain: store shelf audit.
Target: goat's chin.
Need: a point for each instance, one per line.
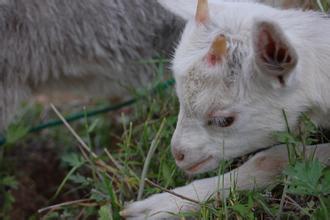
(209, 165)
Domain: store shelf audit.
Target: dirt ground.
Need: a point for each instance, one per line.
(37, 163)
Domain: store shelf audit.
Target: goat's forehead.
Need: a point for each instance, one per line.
(195, 46)
(202, 86)
(199, 93)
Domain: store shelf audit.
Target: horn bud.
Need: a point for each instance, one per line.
(202, 13)
(219, 46)
(217, 51)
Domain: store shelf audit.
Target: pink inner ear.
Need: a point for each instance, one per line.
(271, 50)
(266, 44)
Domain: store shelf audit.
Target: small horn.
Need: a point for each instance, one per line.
(219, 46)
(217, 51)
(202, 13)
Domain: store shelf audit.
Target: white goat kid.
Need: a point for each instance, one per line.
(238, 66)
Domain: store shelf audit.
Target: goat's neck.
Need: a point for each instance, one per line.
(314, 77)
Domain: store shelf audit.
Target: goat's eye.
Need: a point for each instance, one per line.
(222, 122)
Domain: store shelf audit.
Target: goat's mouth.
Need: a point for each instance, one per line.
(197, 166)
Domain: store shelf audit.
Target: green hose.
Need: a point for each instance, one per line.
(88, 114)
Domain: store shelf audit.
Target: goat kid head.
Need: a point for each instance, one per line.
(235, 71)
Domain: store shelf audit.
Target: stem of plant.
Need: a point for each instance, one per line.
(151, 152)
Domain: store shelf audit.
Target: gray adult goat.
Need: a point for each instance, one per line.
(93, 45)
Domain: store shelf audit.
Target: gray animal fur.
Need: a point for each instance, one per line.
(94, 45)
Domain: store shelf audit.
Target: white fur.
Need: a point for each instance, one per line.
(254, 96)
(251, 91)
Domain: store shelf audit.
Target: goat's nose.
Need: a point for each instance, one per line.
(178, 154)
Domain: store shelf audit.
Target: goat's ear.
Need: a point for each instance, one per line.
(185, 9)
(274, 55)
